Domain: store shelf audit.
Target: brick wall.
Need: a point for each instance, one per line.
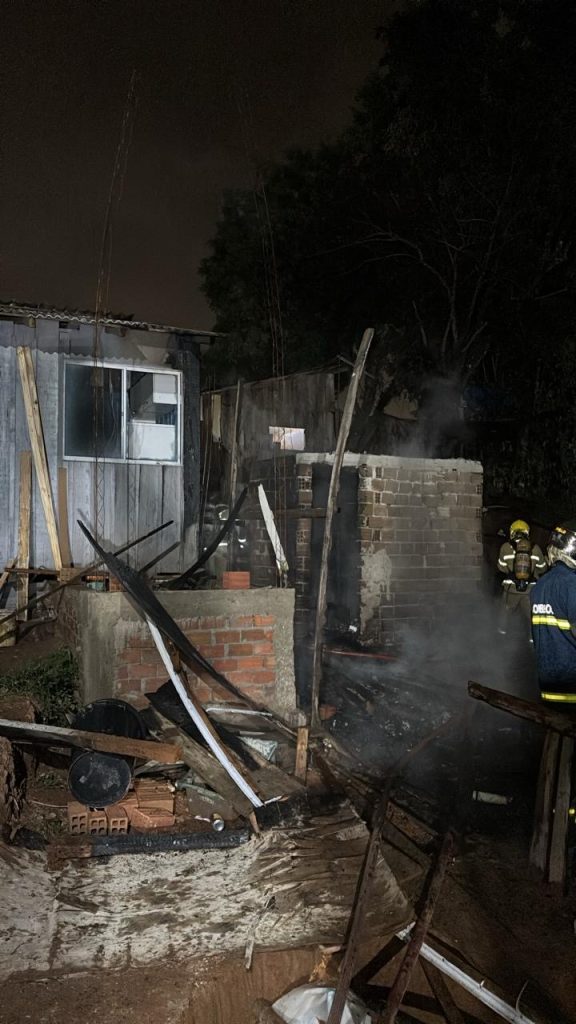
(246, 634)
(418, 538)
(239, 646)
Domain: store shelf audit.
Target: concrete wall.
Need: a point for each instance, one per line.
(245, 634)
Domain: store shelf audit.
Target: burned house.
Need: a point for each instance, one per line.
(120, 414)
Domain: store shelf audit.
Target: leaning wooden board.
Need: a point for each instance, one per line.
(148, 750)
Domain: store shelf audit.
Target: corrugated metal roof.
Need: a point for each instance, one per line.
(39, 312)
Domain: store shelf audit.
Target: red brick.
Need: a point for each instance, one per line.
(264, 676)
(211, 651)
(150, 818)
(150, 684)
(129, 656)
(240, 650)
(225, 664)
(198, 638)
(243, 620)
(263, 647)
(228, 636)
(264, 620)
(149, 657)
(257, 634)
(269, 661)
(251, 662)
(136, 671)
(122, 672)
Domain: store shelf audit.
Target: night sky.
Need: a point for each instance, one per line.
(220, 84)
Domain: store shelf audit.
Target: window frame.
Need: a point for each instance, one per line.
(126, 368)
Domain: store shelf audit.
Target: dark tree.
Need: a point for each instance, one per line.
(444, 213)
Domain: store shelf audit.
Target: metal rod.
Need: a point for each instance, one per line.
(476, 988)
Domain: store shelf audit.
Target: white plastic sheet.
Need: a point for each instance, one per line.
(311, 1003)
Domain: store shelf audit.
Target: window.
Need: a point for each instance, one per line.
(290, 439)
(121, 413)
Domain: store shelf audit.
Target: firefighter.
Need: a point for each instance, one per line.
(553, 602)
(522, 563)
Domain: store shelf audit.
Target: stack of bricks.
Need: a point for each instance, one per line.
(149, 806)
(239, 646)
(90, 821)
(420, 541)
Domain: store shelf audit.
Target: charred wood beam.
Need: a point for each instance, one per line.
(176, 582)
(89, 568)
(528, 709)
(419, 932)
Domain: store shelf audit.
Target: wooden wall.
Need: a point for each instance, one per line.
(136, 497)
(302, 400)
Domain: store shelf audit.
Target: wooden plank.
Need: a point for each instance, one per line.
(301, 766)
(321, 599)
(148, 750)
(32, 407)
(529, 709)
(205, 764)
(235, 444)
(557, 866)
(237, 772)
(23, 557)
(442, 994)
(357, 918)
(6, 574)
(419, 932)
(63, 527)
(540, 844)
(77, 576)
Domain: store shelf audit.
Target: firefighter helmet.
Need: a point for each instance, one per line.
(519, 528)
(562, 547)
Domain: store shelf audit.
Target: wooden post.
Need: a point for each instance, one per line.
(301, 766)
(234, 452)
(5, 575)
(23, 558)
(540, 844)
(557, 865)
(359, 909)
(33, 417)
(442, 994)
(551, 718)
(330, 506)
(419, 932)
(63, 528)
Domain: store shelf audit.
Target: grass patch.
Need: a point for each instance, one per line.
(50, 682)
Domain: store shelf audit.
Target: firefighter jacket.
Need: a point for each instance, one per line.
(508, 560)
(554, 633)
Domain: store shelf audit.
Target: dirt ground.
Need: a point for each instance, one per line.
(492, 915)
(35, 644)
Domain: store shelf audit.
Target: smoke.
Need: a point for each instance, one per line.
(440, 429)
(389, 702)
